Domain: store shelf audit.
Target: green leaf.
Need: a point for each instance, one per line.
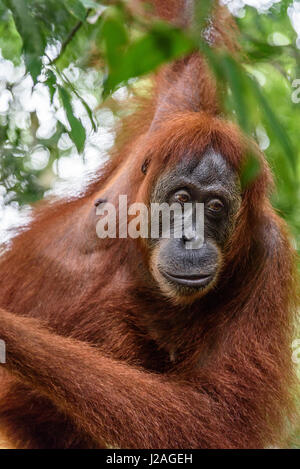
(51, 82)
(236, 79)
(76, 8)
(274, 123)
(77, 132)
(84, 103)
(202, 14)
(89, 4)
(115, 36)
(161, 44)
(89, 112)
(242, 86)
(174, 41)
(263, 51)
(10, 40)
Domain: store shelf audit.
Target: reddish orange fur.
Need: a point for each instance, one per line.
(89, 335)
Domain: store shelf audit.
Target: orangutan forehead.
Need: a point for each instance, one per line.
(210, 171)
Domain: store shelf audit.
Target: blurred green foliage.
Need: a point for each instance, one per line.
(79, 48)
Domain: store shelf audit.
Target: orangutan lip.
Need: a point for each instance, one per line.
(189, 280)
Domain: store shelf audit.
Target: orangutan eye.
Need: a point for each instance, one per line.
(215, 206)
(182, 196)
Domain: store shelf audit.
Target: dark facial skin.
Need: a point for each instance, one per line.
(211, 181)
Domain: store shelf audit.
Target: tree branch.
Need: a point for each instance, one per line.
(69, 38)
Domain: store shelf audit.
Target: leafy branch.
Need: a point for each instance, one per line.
(70, 37)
